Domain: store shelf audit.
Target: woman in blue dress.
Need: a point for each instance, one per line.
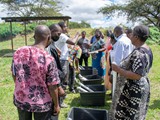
(98, 57)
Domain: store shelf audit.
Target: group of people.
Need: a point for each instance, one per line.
(131, 59)
(42, 71)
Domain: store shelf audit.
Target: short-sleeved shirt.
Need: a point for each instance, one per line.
(75, 52)
(122, 48)
(34, 70)
(139, 61)
(93, 39)
(81, 42)
(62, 45)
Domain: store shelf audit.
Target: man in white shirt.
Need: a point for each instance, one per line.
(123, 47)
(61, 44)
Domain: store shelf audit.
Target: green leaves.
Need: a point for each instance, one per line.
(17, 28)
(26, 8)
(83, 24)
(148, 10)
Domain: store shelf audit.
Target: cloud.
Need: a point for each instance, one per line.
(87, 10)
(2, 13)
(83, 10)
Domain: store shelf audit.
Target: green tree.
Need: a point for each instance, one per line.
(27, 8)
(83, 24)
(147, 11)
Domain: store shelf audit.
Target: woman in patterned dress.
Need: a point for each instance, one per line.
(133, 100)
(98, 59)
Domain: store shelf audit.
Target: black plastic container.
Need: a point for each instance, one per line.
(87, 68)
(86, 72)
(96, 98)
(92, 79)
(87, 114)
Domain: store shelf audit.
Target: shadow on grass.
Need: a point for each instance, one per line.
(6, 53)
(6, 38)
(74, 103)
(155, 105)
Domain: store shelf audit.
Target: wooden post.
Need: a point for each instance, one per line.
(11, 36)
(25, 33)
(114, 82)
(67, 23)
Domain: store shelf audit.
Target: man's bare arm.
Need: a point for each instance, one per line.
(73, 41)
(53, 89)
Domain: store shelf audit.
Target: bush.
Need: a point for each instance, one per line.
(79, 25)
(5, 30)
(154, 36)
(18, 28)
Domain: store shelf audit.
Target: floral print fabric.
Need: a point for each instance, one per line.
(34, 70)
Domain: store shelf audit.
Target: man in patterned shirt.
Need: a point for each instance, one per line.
(74, 56)
(36, 77)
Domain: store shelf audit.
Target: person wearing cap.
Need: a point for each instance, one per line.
(134, 99)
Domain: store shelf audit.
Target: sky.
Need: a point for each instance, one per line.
(86, 10)
(2, 14)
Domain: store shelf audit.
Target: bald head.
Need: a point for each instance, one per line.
(42, 33)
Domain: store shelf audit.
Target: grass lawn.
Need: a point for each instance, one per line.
(8, 110)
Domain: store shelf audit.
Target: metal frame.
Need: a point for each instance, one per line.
(27, 19)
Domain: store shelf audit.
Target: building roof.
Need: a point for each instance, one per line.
(25, 19)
